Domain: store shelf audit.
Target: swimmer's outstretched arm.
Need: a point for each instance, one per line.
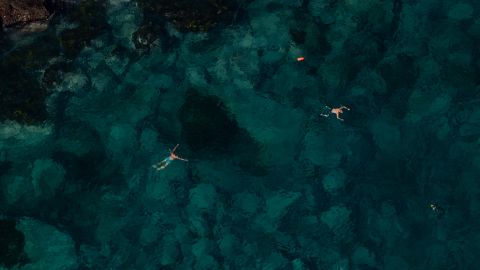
(175, 148)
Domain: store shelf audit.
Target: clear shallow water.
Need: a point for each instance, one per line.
(270, 184)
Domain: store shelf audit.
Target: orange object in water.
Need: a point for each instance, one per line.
(300, 59)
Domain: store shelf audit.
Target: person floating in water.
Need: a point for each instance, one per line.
(336, 111)
(438, 211)
(164, 163)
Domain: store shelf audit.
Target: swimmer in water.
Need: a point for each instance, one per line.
(164, 163)
(336, 111)
(437, 210)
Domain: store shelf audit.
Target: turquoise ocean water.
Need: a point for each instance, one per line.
(92, 102)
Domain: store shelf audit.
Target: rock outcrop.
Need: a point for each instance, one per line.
(14, 12)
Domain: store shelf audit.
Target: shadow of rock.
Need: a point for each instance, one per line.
(208, 127)
(12, 242)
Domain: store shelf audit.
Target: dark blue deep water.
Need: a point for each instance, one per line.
(96, 98)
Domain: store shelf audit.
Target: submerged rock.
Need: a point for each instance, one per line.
(334, 181)
(276, 207)
(47, 247)
(90, 15)
(47, 177)
(190, 16)
(146, 35)
(186, 16)
(337, 218)
(364, 258)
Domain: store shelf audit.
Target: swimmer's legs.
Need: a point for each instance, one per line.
(328, 114)
(162, 164)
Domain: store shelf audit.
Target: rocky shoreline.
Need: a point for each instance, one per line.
(19, 17)
(19, 13)
(14, 12)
